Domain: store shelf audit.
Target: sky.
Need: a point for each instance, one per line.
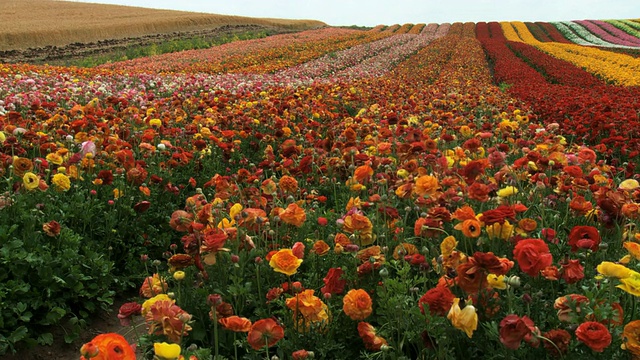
(390, 12)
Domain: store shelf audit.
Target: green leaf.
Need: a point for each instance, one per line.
(18, 334)
(45, 339)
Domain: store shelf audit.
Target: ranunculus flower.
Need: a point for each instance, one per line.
(514, 329)
(166, 318)
(298, 250)
(52, 228)
(264, 332)
(572, 271)
(332, 282)
(567, 304)
(293, 215)
(357, 304)
(110, 346)
(439, 299)
(595, 335)
(167, 351)
(371, 340)
(61, 182)
(631, 335)
(127, 310)
(463, 319)
(532, 255)
(560, 338)
(284, 261)
(235, 323)
(584, 237)
(610, 269)
(30, 181)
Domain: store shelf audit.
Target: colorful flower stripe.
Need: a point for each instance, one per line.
(553, 32)
(432, 28)
(391, 29)
(258, 55)
(341, 61)
(628, 26)
(609, 33)
(601, 114)
(619, 69)
(417, 29)
(587, 31)
(538, 32)
(404, 29)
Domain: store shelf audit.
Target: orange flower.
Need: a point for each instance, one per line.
(268, 187)
(264, 332)
(633, 248)
(236, 323)
(401, 250)
(285, 262)
(21, 166)
(426, 185)
(631, 337)
(357, 304)
(372, 341)
(470, 228)
(362, 173)
(527, 224)
(293, 215)
(320, 247)
(308, 309)
(110, 346)
(362, 225)
(153, 285)
(288, 184)
(168, 319)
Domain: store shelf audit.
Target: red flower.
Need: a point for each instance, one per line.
(584, 237)
(472, 275)
(127, 310)
(532, 256)
(332, 282)
(264, 332)
(572, 271)
(439, 300)
(498, 215)
(560, 338)
(514, 329)
(52, 228)
(594, 335)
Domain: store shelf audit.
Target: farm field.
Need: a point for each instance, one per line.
(412, 191)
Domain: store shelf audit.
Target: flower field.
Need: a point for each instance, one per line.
(428, 191)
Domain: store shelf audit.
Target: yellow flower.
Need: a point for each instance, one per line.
(507, 191)
(147, 304)
(155, 122)
(179, 275)
(614, 270)
(629, 184)
(500, 231)
(447, 246)
(633, 248)
(463, 319)
(62, 182)
(167, 351)
(402, 173)
(631, 284)
(55, 158)
(496, 282)
(285, 262)
(30, 181)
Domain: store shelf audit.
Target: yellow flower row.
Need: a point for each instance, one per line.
(619, 69)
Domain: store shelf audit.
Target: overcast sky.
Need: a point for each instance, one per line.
(389, 12)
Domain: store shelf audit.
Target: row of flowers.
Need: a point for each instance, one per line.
(583, 34)
(610, 33)
(619, 69)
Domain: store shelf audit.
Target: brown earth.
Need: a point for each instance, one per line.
(38, 23)
(59, 55)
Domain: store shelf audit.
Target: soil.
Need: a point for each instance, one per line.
(104, 322)
(61, 54)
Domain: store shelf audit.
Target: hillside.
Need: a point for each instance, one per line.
(37, 23)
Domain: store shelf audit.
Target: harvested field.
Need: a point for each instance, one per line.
(38, 23)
